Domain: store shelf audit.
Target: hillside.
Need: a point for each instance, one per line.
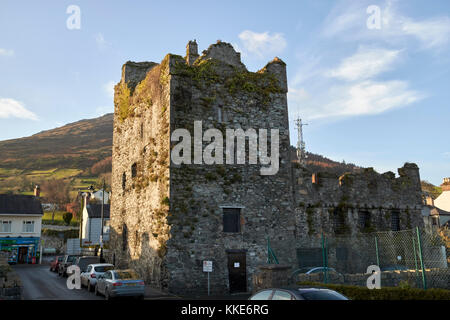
(75, 145)
(60, 153)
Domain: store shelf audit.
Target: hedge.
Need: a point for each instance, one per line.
(386, 293)
(68, 234)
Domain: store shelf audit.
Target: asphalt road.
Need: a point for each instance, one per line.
(39, 283)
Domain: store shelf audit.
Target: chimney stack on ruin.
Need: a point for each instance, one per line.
(191, 52)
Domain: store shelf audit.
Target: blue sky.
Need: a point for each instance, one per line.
(374, 97)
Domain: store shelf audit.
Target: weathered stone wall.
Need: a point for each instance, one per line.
(140, 176)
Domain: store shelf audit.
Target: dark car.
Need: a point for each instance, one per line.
(314, 270)
(84, 261)
(297, 294)
(68, 260)
(54, 264)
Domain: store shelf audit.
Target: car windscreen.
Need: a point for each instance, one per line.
(71, 258)
(126, 275)
(103, 268)
(84, 262)
(323, 295)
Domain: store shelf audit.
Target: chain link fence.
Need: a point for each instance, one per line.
(409, 258)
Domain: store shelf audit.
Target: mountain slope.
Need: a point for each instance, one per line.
(76, 145)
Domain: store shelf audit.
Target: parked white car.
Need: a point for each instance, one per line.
(93, 271)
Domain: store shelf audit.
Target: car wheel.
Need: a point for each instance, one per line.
(89, 287)
(96, 291)
(107, 296)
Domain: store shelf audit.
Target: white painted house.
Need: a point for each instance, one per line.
(443, 201)
(20, 226)
(91, 226)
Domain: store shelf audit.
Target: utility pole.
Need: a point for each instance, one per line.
(301, 153)
(101, 234)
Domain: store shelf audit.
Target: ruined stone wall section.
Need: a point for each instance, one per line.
(323, 198)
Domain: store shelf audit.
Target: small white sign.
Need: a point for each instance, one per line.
(236, 264)
(207, 266)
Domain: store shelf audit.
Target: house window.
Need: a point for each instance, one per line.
(28, 226)
(231, 219)
(134, 170)
(395, 221)
(5, 226)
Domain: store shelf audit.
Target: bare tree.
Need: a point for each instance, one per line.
(56, 192)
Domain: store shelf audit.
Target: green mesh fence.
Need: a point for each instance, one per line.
(410, 258)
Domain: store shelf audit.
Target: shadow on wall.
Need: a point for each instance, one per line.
(134, 251)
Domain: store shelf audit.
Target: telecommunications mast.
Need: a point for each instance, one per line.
(301, 153)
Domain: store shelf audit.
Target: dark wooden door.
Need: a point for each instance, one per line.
(237, 271)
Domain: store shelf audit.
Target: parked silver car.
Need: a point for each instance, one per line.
(93, 271)
(120, 283)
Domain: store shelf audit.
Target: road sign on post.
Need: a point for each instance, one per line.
(208, 268)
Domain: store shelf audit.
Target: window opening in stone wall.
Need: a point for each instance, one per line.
(219, 114)
(124, 180)
(134, 170)
(339, 221)
(395, 220)
(364, 219)
(231, 219)
(124, 237)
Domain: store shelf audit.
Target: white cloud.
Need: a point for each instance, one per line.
(263, 44)
(348, 22)
(10, 108)
(432, 33)
(362, 98)
(5, 52)
(446, 154)
(365, 64)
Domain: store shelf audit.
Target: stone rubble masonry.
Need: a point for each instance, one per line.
(166, 218)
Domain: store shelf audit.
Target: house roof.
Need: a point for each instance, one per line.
(95, 210)
(20, 204)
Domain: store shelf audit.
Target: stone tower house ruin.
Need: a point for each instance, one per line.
(167, 218)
